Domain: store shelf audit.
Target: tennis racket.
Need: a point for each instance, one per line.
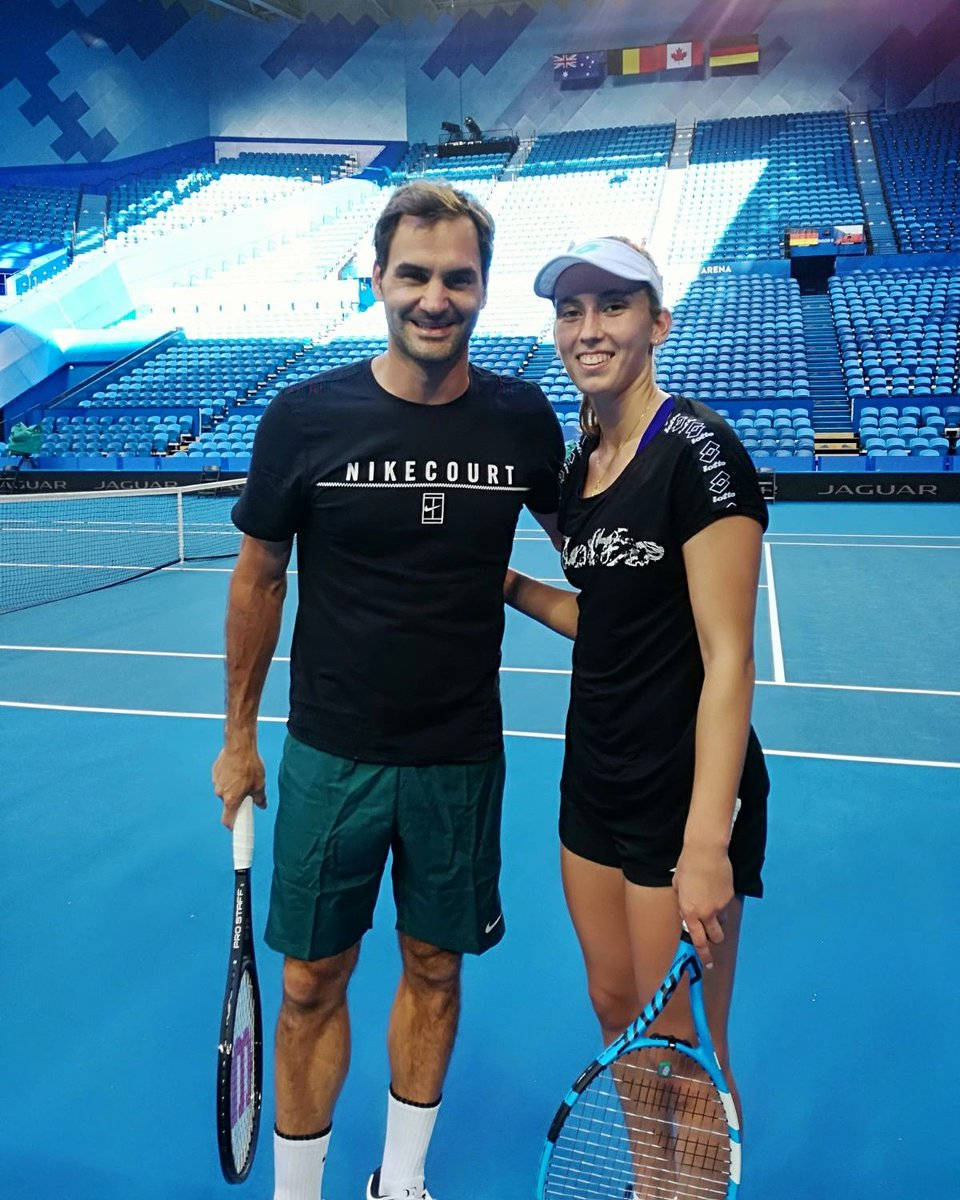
(240, 1058)
(652, 1118)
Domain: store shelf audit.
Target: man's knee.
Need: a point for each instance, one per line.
(319, 986)
(428, 969)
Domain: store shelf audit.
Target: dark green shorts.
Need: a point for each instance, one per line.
(336, 821)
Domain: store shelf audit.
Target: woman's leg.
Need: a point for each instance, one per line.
(681, 1138)
(595, 898)
(653, 922)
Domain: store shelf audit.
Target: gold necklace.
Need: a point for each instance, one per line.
(608, 469)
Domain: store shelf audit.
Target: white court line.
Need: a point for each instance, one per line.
(773, 534)
(933, 537)
(863, 758)
(284, 658)
(516, 733)
(862, 545)
(126, 712)
(842, 540)
(125, 653)
(857, 687)
(537, 670)
(776, 645)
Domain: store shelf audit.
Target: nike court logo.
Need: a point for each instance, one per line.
(493, 924)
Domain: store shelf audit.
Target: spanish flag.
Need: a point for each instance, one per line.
(735, 56)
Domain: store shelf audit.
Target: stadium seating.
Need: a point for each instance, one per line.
(462, 168)
(590, 149)
(535, 217)
(737, 337)
(752, 177)
(37, 215)
(898, 332)
(917, 153)
(287, 307)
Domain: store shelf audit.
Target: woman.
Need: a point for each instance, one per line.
(662, 518)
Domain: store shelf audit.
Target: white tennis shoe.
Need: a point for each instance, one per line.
(374, 1193)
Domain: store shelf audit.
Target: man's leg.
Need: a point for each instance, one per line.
(331, 839)
(423, 1023)
(423, 1026)
(312, 1053)
(446, 868)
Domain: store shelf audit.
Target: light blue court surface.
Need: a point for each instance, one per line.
(118, 884)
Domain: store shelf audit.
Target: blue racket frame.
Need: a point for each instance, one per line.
(686, 962)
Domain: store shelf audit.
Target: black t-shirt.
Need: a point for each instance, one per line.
(638, 671)
(404, 516)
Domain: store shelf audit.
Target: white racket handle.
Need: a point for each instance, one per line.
(243, 835)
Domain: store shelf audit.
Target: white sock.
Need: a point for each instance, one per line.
(409, 1129)
(298, 1165)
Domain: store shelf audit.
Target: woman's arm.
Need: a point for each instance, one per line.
(551, 606)
(723, 567)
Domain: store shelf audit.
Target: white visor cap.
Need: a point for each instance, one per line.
(606, 254)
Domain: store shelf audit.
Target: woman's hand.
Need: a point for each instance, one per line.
(703, 882)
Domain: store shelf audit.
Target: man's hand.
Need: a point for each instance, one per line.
(237, 773)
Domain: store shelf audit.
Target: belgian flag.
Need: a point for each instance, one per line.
(637, 60)
(735, 56)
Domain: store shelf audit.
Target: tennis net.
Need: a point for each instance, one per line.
(52, 547)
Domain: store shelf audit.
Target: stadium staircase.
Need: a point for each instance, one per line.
(682, 145)
(91, 221)
(520, 156)
(865, 164)
(831, 409)
(666, 221)
(539, 360)
(667, 218)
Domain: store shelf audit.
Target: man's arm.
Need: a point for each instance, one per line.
(257, 590)
(548, 522)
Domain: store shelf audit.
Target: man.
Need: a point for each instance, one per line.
(402, 478)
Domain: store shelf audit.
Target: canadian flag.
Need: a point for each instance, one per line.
(684, 54)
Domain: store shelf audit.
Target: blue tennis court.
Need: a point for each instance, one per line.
(118, 886)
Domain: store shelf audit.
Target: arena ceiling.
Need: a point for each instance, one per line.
(382, 10)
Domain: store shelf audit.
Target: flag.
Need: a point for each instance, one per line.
(735, 56)
(587, 68)
(684, 60)
(637, 60)
(684, 54)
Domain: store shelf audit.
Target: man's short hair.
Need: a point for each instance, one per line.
(433, 202)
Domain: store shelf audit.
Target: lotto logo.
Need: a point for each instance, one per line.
(720, 482)
(431, 512)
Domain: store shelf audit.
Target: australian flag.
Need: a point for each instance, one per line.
(583, 69)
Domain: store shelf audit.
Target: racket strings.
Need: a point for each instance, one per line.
(652, 1126)
(243, 1074)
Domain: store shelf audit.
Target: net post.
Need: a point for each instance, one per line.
(180, 538)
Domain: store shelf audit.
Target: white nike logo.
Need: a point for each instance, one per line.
(493, 924)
